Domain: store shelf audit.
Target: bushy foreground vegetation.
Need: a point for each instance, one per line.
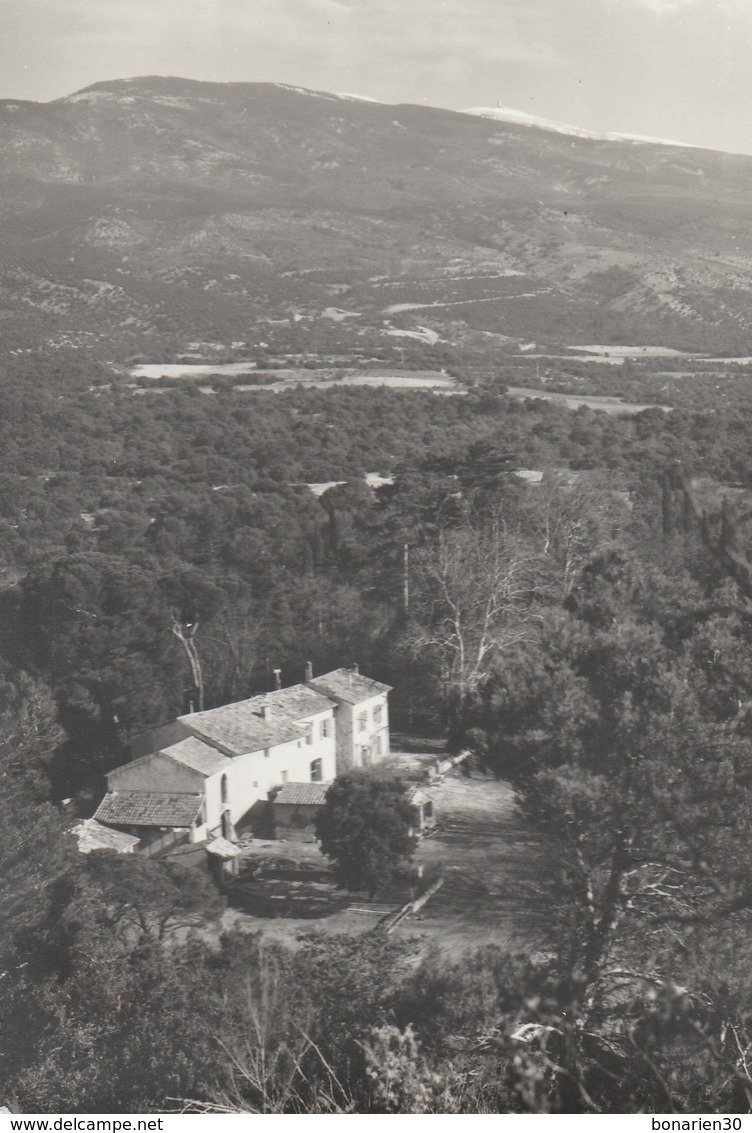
(588, 636)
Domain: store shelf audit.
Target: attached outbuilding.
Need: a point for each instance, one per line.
(295, 808)
(92, 835)
(156, 819)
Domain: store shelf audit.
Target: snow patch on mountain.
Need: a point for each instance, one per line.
(522, 118)
(308, 93)
(359, 98)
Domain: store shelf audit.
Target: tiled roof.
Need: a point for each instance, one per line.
(417, 797)
(93, 836)
(142, 808)
(222, 848)
(297, 702)
(302, 794)
(347, 685)
(239, 728)
(197, 755)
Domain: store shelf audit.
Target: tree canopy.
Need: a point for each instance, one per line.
(543, 585)
(366, 829)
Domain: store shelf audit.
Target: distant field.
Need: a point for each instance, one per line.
(637, 351)
(591, 359)
(412, 379)
(594, 401)
(726, 361)
(190, 370)
(279, 379)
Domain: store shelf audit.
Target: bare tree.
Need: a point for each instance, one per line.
(472, 589)
(185, 632)
(231, 652)
(572, 523)
(273, 1063)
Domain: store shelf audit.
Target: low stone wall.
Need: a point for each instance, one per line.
(390, 922)
(444, 765)
(161, 840)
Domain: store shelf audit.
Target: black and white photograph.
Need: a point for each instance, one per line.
(375, 561)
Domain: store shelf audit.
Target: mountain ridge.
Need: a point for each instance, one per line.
(208, 209)
(508, 114)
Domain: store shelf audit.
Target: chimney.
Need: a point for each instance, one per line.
(308, 671)
(355, 668)
(266, 712)
(277, 678)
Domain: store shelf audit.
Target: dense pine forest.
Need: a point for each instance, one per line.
(586, 632)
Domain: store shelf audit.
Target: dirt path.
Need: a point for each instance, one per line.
(488, 861)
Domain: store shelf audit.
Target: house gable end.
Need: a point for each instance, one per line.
(155, 772)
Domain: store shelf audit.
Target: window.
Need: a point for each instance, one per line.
(317, 771)
(428, 810)
(223, 783)
(378, 714)
(362, 721)
(309, 734)
(377, 745)
(324, 728)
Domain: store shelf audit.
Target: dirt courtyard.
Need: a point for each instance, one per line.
(485, 856)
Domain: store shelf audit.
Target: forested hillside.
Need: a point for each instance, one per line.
(125, 517)
(585, 631)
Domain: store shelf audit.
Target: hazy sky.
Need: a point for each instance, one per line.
(678, 69)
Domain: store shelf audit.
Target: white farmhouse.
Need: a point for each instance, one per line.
(210, 769)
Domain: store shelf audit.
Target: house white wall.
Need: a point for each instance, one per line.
(249, 778)
(371, 730)
(362, 733)
(344, 725)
